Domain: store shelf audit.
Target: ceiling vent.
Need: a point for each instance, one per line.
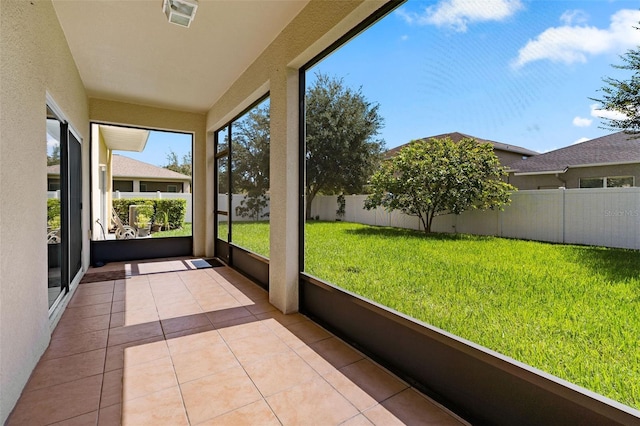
(180, 12)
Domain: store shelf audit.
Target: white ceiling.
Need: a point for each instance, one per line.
(127, 51)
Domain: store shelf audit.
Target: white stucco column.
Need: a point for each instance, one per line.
(283, 218)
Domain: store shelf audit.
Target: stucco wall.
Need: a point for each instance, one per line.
(105, 111)
(35, 60)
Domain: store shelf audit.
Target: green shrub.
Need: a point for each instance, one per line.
(144, 214)
(121, 206)
(53, 213)
(174, 209)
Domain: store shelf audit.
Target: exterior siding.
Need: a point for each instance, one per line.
(571, 179)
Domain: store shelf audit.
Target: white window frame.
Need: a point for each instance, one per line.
(606, 179)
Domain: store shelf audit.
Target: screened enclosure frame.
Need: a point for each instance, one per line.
(251, 264)
(105, 251)
(480, 385)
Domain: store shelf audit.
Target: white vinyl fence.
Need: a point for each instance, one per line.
(236, 200)
(607, 217)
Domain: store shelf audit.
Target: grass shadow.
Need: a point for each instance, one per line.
(388, 232)
(616, 264)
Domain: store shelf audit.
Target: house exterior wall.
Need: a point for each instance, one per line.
(123, 185)
(507, 157)
(35, 61)
(160, 186)
(571, 179)
(275, 71)
(535, 181)
(122, 113)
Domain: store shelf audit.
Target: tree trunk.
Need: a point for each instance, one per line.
(429, 222)
(307, 208)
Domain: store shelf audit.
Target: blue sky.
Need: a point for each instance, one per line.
(159, 145)
(514, 71)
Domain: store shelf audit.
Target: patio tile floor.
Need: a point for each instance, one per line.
(171, 345)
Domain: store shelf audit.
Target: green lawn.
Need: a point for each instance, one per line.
(572, 311)
(185, 231)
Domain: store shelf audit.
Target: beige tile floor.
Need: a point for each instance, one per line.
(172, 345)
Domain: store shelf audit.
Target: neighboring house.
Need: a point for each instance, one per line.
(507, 154)
(131, 175)
(611, 161)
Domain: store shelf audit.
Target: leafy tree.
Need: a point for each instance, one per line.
(623, 96)
(342, 151)
(250, 157)
(54, 158)
(174, 164)
(434, 177)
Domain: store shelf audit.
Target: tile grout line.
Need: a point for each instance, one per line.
(104, 364)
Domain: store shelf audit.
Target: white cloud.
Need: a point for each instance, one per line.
(580, 140)
(457, 14)
(582, 122)
(404, 37)
(52, 141)
(606, 114)
(576, 16)
(569, 44)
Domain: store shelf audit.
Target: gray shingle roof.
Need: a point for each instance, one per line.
(457, 137)
(617, 148)
(128, 167)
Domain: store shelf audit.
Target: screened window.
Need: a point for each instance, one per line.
(591, 182)
(419, 74)
(242, 155)
(607, 182)
(135, 175)
(620, 182)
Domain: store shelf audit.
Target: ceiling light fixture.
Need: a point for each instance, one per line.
(180, 12)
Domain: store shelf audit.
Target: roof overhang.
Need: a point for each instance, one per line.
(577, 166)
(124, 138)
(151, 179)
(543, 172)
(616, 163)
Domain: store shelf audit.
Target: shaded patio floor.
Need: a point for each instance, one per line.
(174, 345)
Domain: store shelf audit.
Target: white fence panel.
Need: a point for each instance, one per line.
(534, 215)
(324, 207)
(188, 217)
(236, 201)
(608, 217)
(401, 220)
(604, 217)
(355, 211)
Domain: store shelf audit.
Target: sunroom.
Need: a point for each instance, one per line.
(128, 65)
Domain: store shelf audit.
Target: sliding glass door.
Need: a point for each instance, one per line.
(64, 206)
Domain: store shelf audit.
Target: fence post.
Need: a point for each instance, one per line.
(159, 195)
(564, 209)
(117, 194)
